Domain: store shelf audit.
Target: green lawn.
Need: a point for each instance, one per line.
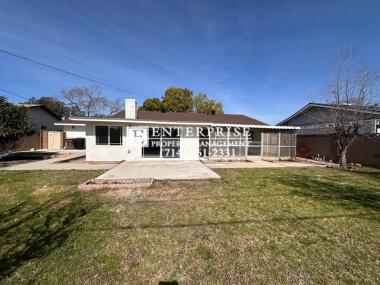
(255, 226)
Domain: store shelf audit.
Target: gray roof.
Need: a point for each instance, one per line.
(39, 106)
(375, 110)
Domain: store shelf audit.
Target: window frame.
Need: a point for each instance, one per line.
(108, 136)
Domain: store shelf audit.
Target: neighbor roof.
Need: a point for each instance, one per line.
(192, 117)
(373, 110)
(39, 106)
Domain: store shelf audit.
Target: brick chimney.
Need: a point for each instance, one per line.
(130, 109)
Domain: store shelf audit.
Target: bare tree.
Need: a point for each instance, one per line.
(352, 96)
(114, 106)
(88, 100)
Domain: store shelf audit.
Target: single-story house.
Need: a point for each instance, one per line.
(133, 135)
(313, 136)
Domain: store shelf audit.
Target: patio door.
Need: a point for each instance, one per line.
(170, 141)
(163, 143)
(152, 150)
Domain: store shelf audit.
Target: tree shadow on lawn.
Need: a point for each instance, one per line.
(340, 193)
(34, 231)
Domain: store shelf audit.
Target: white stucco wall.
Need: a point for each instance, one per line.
(44, 118)
(189, 145)
(76, 132)
(109, 153)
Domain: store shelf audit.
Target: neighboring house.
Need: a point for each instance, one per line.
(313, 137)
(44, 117)
(49, 135)
(133, 135)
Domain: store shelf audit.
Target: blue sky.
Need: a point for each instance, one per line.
(257, 57)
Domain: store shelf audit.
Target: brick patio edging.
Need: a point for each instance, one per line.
(100, 184)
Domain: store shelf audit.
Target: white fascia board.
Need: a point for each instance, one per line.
(156, 122)
(73, 124)
(256, 126)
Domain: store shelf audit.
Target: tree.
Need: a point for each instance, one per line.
(15, 123)
(151, 105)
(91, 101)
(178, 100)
(114, 106)
(57, 107)
(352, 96)
(182, 100)
(203, 105)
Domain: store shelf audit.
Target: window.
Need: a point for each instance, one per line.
(108, 135)
(116, 135)
(43, 127)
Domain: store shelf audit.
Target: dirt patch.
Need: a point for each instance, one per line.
(124, 193)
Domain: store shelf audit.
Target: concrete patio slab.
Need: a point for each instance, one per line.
(171, 170)
(265, 164)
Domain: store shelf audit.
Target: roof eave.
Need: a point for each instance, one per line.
(68, 124)
(141, 121)
(257, 126)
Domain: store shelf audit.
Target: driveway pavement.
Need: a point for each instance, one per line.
(172, 170)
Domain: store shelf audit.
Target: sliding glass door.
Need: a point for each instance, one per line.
(163, 143)
(152, 150)
(170, 143)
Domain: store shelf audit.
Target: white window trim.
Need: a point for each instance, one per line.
(108, 145)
